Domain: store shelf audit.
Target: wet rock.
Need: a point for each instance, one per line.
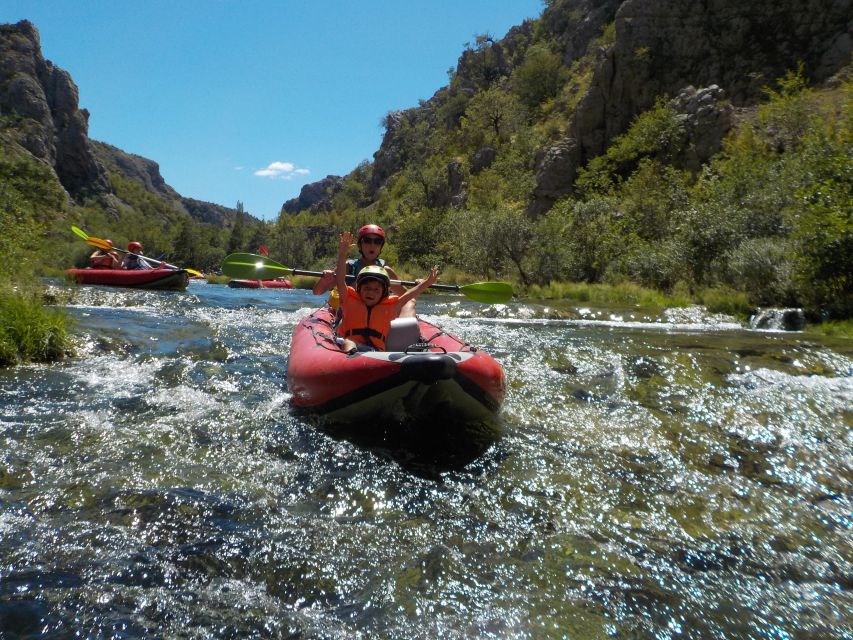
(644, 367)
(778, 319)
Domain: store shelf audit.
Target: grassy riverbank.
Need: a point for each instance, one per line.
(716, 299)
(29, 330)
(835, 328)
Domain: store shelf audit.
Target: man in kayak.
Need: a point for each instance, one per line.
(133, 260)
(101, 259)
(370, 239)
(368, 309)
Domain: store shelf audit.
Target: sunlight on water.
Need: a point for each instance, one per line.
(659, 475)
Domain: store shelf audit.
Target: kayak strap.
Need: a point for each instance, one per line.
(365, 332)
(463, 343)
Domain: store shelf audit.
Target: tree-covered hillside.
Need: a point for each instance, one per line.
(497, 176)
(664, 143)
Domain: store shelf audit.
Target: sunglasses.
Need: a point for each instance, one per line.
(372, 240)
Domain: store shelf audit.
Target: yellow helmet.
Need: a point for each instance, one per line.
(374, 272)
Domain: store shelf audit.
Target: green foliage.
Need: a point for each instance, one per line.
(655, 133)
(492, 117)
(624, 293)
(539, 77)
(726, 300)
(29, 331)
(488, 242)
(30, 197)
(838, 328)
(824, 227)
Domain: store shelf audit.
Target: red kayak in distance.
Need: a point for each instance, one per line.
(174, 279)
(428, 375)
(262, 284)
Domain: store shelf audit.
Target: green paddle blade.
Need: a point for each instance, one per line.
(488, 292)
(80, 232)
(248, 266)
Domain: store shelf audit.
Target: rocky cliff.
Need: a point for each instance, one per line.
(664, 46)
(40, 113)
(315, 196)
(707, 56)
(39, 101)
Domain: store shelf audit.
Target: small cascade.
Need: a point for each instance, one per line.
(778, 320)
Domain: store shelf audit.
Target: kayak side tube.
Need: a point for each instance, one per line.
(174, 279)
(448, 379)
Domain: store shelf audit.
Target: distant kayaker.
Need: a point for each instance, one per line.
(368, 309)
(133, 260)
(101, 259)
(371, 240)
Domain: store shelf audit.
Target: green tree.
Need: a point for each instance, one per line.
(492, 117)
(186, 246)
(237, 239)
(539, 77)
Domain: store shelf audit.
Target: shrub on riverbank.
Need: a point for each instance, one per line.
(728, 301)
(837, 328)
(625, 293)
(30, 331)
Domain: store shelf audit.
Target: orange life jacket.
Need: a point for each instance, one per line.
(367, 325)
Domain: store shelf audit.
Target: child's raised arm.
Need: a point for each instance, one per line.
(344, 244)
(421, 286)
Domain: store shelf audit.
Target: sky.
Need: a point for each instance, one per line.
(248, 101)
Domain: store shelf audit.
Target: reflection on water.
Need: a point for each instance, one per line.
(657, 476)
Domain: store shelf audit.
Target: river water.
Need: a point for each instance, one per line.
(657, 476)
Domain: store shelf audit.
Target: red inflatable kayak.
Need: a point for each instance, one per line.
(177, 279)
(430, 375)
(263, 284)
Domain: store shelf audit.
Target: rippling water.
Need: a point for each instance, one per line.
(665, 476)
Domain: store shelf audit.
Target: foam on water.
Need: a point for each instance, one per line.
(659, 476)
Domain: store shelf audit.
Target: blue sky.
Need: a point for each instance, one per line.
(248, 101)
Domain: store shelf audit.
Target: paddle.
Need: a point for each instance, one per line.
(102, 244)
(248, 266)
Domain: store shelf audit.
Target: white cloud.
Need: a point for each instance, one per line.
(281, 170)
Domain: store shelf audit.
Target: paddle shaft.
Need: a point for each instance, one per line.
(102, 248)
(247, 266)
(407, 283)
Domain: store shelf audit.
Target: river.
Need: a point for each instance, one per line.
(658, 475)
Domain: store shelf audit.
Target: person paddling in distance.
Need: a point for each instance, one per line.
(101, 259)
(368, 309)
(370, 239)
(133, 260)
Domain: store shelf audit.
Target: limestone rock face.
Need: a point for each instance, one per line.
(663, 46)
(706, 117)
(388, 159)
(575, 23)
(316, 196)
(483, 158)
(667, 47)
(556, 170)
(140, 169)
(45, 99)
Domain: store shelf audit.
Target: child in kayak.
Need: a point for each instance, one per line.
(101, 259)
(368, 309)
(370, 239)
(133, 260)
